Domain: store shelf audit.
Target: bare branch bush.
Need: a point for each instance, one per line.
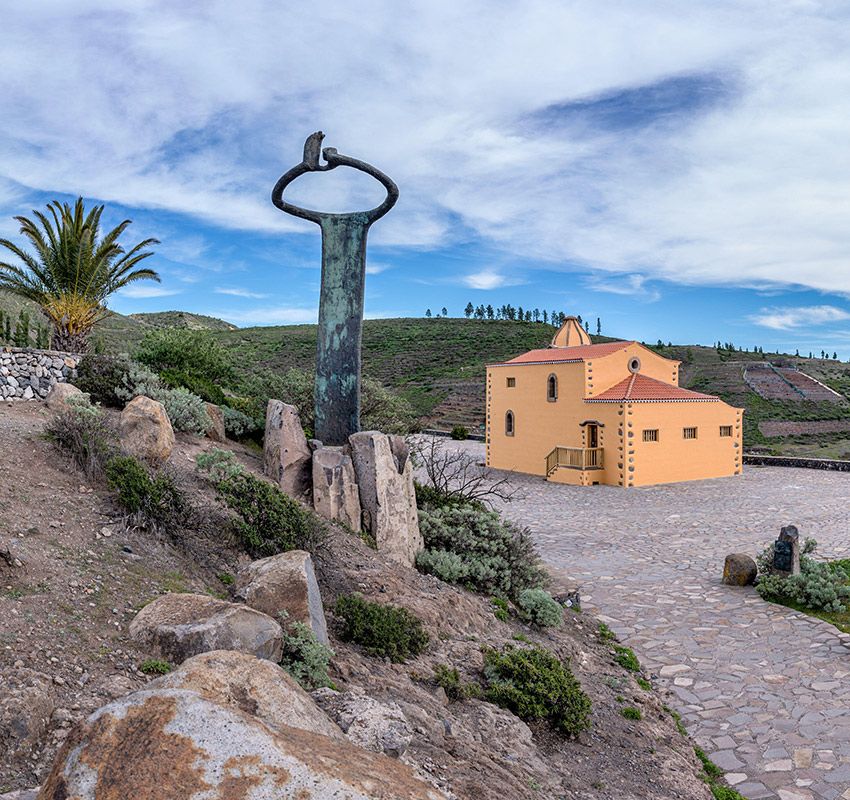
(456, 475)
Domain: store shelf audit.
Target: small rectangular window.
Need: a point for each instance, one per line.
(650, 435)
(511, 383)
(725, 430)
(689, 433)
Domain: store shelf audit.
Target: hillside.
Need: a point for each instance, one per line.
(182, 319)
(438, 366)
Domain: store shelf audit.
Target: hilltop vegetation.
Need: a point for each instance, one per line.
(438, 366)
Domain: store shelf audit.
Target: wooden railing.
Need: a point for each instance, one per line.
(574, 458)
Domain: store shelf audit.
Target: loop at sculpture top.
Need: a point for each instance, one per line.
(311, 163)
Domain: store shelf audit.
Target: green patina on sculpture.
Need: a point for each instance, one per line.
(337, 394)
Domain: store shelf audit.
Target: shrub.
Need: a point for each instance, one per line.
(605, 633)
(538, 607)
(186, 411)
(153, 502)
(449, 679)
(86, 433)
(101, 377)
(238, 425)
(384, 630)
(818, 586)
(500, 609)
(630, 712)
(179, 350)
(459, 433)
(477, 549)
(154, 666)
(625, 657)
(305, 658)
(430, 499)
(219, 465)
(197, 384)
(643, 683)
(269, 522)
(534, 684)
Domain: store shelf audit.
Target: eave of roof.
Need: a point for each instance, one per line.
(565, 355)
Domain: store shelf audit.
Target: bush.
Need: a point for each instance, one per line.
(203, 387)
(459, 433)
(154, 666)
(449, 679)
(500, 609)
(219, 465)
(186, 411)
(101, 377)
(269, 521)
(538, 607)
(630, 712)
(178, 350)
(534, 684)
(429, 498)
(818, 586)
(625, 657)
(305, 658)
(153, 502)
(238, 425)
(86, 434)
(384, 630)
(477, 549)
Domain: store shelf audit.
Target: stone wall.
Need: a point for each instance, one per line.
(29, 374)
(755, 460)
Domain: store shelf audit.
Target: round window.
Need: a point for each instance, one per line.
(634, 365)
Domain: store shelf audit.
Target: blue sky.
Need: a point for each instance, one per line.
(680, 171)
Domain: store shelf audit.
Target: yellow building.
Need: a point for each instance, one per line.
(614, 413)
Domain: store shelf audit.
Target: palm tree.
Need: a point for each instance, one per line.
(73, 270)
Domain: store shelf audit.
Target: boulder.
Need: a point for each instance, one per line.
(20, 794)
(285, 582)
(146, 431)
(335, 492)
(178, 626)
(253, 685)
(385, 478)
(739, 570)
(376, 726)
(58, 396)
(286, 454)
(26, 705)
(173, 743)
(215, 431)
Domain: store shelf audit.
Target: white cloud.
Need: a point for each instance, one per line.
(781, 319)
(629, 285)
(489, 279)
(239, 293)
(137, 291)
(203, 106)
(270, 315)
(376, 268)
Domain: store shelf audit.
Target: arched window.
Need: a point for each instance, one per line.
(552, 388)
(509, 423)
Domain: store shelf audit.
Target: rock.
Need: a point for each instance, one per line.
(385, 477)
(173, 743)
(335, 492)
(146, 431)
(786, 551)
(216, 428)
(253, 685)
(178, 626)
(375, 726)
(26, 705)
(739, 570)
(286, 454)
(21, 794)
(285, 582)
(58, 397)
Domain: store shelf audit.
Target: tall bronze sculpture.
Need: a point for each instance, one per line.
(337, 393)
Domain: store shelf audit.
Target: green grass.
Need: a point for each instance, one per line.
(155, 666)
(630, 712)
(625, 657)
(643, 683)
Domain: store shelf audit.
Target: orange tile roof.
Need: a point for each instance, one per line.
(553, 355)
(642, 388)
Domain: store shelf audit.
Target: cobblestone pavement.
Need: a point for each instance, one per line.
(764, 690)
